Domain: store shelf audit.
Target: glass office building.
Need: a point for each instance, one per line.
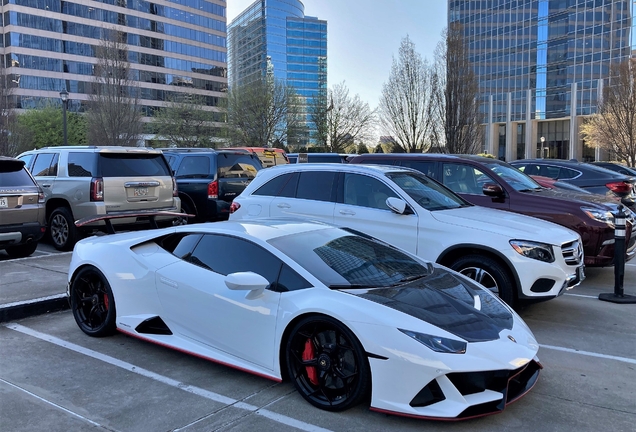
(541, 66)
(275, 38)
(175, 46)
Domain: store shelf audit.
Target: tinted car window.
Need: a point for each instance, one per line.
(515, 178)
(567, 173)
(425, 167)
(289, 280)
(289, 189)
(463, 178)
(132, 165)
(180, 244)
(365, 191)
(82, 165)
(226, 254)
(14, 174)
(42, 165)
(273, 187)
(238, 165)
(194, 167)
(316, 185)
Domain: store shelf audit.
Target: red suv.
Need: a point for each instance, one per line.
(496, 184)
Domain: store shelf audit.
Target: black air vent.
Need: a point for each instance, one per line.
(153, 326)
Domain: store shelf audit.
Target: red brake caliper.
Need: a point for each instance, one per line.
(309, 354)
(106, 301)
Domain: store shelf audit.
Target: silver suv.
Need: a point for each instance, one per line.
(22, 221)
(92, 181)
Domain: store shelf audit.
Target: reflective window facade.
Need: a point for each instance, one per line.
(275, 38)
(542, 60)
(175, 46)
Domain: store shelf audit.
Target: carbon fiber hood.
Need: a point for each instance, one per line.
(449, 302)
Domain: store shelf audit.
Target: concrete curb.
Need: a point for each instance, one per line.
(28, 308)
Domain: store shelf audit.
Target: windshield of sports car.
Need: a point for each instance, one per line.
(515, 178)
(426, 192)
(343, 259)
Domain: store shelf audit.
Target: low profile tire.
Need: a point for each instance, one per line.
(62, 229)
(488, 273)
(92, 303)
(327, 364)
(22, 251)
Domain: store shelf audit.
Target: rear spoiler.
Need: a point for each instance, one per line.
(151, 215)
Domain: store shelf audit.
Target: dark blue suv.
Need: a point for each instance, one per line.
(208, 180)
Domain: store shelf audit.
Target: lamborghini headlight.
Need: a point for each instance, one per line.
(599, 215)
(437, 343)
(539, 251)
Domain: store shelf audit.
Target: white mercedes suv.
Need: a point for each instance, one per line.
(521, 258)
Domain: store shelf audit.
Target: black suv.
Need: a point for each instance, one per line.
(208, 179)
(21, 209)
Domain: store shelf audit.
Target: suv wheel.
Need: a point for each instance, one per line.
(23, 250)
(62, 229)
(489, 273)
(187, 208)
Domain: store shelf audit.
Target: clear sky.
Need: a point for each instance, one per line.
(363, 36)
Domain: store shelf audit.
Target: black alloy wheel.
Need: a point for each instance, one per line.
(327, 364)
(92, 303)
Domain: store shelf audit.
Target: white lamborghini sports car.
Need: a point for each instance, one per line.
(344, 316)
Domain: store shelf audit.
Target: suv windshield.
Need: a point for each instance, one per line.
(237, 165)
(426, 192)
(340, 259)
(515, 178)
(133, 165)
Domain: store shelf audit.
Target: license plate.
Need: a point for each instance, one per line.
(141, 191)
(580, 272)
(4, 202)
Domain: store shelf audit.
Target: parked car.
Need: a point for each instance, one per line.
(269, 156)
(517, 257)
(346, 318)
(496, 184)
(592, 178)
(88, 181)
(622, 169)
(22, 214)
(208, 180)
(317, 157)
(551, 183)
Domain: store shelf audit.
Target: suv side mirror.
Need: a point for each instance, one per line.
(492, 190)
(396, 205)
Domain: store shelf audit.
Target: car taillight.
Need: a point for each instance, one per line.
(175, 189)
(40, 196)
(234, 207)
(213, 190)
(619, 187)
(97, 189)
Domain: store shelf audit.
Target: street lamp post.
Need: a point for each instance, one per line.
(64, 97)
(542, 143)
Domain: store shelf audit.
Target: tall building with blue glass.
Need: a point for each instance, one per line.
(275, 38)
(541, 67)
(175, 46)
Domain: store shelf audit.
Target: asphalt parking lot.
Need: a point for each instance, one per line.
(55, 378)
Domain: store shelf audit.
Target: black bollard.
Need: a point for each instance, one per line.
(619, 262)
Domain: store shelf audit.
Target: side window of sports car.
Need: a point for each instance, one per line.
(226, 254)
(180, 244)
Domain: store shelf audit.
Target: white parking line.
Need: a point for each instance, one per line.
(589, 354)
(51, 403)
(279, 418)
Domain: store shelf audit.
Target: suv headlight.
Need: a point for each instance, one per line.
(539, 251)
(437, 343)
(599, 215)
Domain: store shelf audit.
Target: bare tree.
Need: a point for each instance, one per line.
(114, 113)
(186, 122)
(405, 99)
(614, 127)
(263, 113)
(454, 109)
(345, 121)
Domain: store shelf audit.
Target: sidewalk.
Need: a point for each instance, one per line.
(34, 285)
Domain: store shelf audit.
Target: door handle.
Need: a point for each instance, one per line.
(46, 185)
(347, 212)
(283, 205)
